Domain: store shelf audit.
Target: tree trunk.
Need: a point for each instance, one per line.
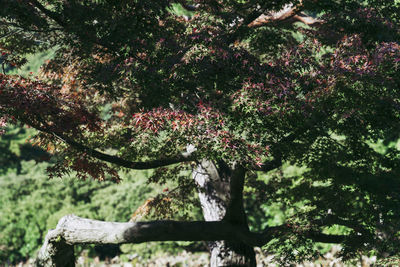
(220, 194)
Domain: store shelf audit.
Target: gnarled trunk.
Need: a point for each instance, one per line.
(220, 194)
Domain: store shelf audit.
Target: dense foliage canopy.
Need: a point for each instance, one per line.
(136, 84)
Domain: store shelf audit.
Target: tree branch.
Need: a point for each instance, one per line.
(72, 230)
(270, 165)
(22, 28)
(325, 238)
(278, 157)
(9, 34)
(289, 13)
(136, 165)
(302, 17)
(286, 12)
(48, 13)
(59, 20)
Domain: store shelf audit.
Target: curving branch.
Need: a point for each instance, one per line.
(57, 249)
(136, 165)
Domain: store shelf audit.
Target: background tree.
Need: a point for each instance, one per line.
(232, 88)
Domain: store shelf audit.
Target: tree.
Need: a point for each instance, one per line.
(229, 89)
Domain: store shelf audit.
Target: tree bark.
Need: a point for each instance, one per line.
(71, 230)
(220, 194)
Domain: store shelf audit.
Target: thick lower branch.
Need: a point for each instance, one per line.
(76, 230)
(72, 230)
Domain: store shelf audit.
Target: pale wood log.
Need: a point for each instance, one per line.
(289, 13)
(71, 230)
(57, 249)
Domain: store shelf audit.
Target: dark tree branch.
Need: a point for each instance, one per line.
(270, 165)
(22, 28)
(54, 16)
(325, 238)
(288, 139)
(59, 20)
(260, 239)
(10, 33)
(126, 163)
(332, 219)
(136, 165)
